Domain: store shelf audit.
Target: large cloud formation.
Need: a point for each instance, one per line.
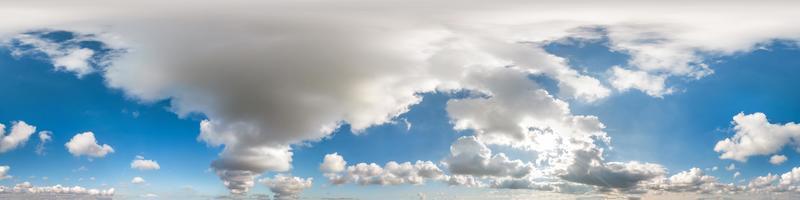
(271, 74)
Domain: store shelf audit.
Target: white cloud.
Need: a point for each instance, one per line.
(786, 182)
(237, 181)
(762, 182)
(463, 180)
(777, 159)
(137, 180)
(20, 133)
(67, 56)
(44, 138)
(392, 173)
(333, 163)
(86, 144)
(653, 85)
(26, 190)
(141, 164)
(258, 104)
(756, 136)
(468, 156)
(4, 172)
(286, 187)
(731, 167)
(692, 180)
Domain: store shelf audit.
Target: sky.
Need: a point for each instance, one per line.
(399, 100)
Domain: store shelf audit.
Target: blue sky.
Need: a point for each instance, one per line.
(520, 102)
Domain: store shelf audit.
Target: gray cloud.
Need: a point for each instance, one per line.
(468, 156)
(589, 168)
(286, 187)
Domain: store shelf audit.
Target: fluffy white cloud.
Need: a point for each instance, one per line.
(463, 180)
(4, 172)
(756, 136)
(786, 182)
(653, 85)
(777, 159)
(137, 180)
(287, 187)
(333, 163)
(274, 74)
(86, 144)
(20, 133)
(44, 138)
(468, 156)
(65, 55)
(761, 183)
(26, 190)
(237, 181)
(392, 173)
(693, 180)
(141, 164)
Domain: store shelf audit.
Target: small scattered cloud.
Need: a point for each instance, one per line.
(44, 138)
(20, 133)
(140, 163)
(137, 180)
(777, 159)
(85, 144)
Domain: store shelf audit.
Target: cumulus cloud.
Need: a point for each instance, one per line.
(755, 135)
(44, 138)
(589, 168)
(274, 74)
(86, 144)
(786, 182)
(463, 180)
(237, 181)
(692, 180)
(333, 163)
(141, 164)
(392, 173)
(137, 180)
(468, 156)
(777, 159)
(4, 172)
(26, 190)
(653, 85)
(287, 187)
(20, 133)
